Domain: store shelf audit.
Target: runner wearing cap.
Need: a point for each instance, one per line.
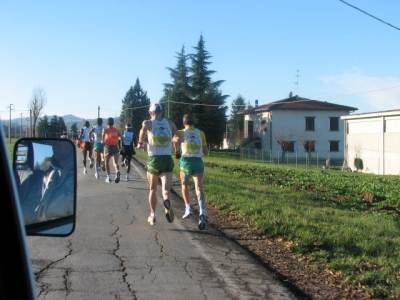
(127, 149)
(159, 133)
(98, 146)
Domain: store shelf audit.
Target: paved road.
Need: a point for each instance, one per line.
(115, 254)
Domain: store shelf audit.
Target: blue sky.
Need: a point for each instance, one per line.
(86, 54)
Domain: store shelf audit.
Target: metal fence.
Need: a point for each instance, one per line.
(290, 158)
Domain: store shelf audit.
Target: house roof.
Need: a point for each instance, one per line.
(377, 114)
(296, 103)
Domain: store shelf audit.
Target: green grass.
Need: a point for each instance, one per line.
(11, 147)
(346, 222)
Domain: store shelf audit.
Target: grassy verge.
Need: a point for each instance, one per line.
(345, 222)
(11, 147)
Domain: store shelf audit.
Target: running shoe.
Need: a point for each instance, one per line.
(188, 213)
(152, 220)
(202, 222)
(91, 163)
(96, 175)
(169, 213)
(127, 177)
(108, 179)
(84, 171)
(117, 177)
(103, 167)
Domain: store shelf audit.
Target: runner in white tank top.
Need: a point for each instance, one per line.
(159, 163)
(194, 145)
(96, 133)
(86, 145)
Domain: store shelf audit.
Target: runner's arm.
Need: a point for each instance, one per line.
(204, 142)
(175, 130)
(103, 135)
(134, 140)
(143, 133)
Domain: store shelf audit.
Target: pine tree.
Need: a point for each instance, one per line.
(237, 121)
(135, 107)
(62, 126)
(74, 130)
(209, 113)
(43, 127)
(54, 127)
(178, 92)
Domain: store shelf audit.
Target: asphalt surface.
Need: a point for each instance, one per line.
(115, 254)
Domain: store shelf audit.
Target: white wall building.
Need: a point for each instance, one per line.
(375, 138)
(297, 120)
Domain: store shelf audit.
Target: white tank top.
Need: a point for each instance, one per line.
(85, 136)
(192, 145)
(160, 138)
(98, 130)
(128, 138)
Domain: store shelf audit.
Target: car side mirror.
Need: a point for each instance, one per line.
(45, 173)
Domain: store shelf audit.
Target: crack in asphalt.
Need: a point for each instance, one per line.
(121, 260)
(41, 274)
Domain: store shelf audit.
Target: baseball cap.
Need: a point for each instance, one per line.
(128, 126)
(156, 107)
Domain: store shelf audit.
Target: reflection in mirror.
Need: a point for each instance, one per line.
(45, 172)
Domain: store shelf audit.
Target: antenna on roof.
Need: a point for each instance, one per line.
(297, 82)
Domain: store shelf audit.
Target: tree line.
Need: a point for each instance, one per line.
(54, 128)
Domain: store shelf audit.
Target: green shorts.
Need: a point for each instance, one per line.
(191, 165)
(159, 164)
(98, 147)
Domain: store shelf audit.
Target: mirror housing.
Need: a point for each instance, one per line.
(45, 173)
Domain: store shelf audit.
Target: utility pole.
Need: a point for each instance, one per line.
(26, 131)
(98, 112)
(20, 129)
(9, 128)
(30, 123)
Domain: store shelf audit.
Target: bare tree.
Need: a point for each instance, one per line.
(308, 141)
(284, 139)
(36, 105)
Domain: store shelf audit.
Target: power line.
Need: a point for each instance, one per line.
(370, 15)
(198, 103)
(137, 107)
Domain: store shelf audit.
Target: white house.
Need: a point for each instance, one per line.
(374, 138)
(297, 121)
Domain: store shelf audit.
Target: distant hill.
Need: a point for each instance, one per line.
(72, 119)
(68, 119)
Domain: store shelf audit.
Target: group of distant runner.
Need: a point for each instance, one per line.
(161, 136)
(107, 142)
